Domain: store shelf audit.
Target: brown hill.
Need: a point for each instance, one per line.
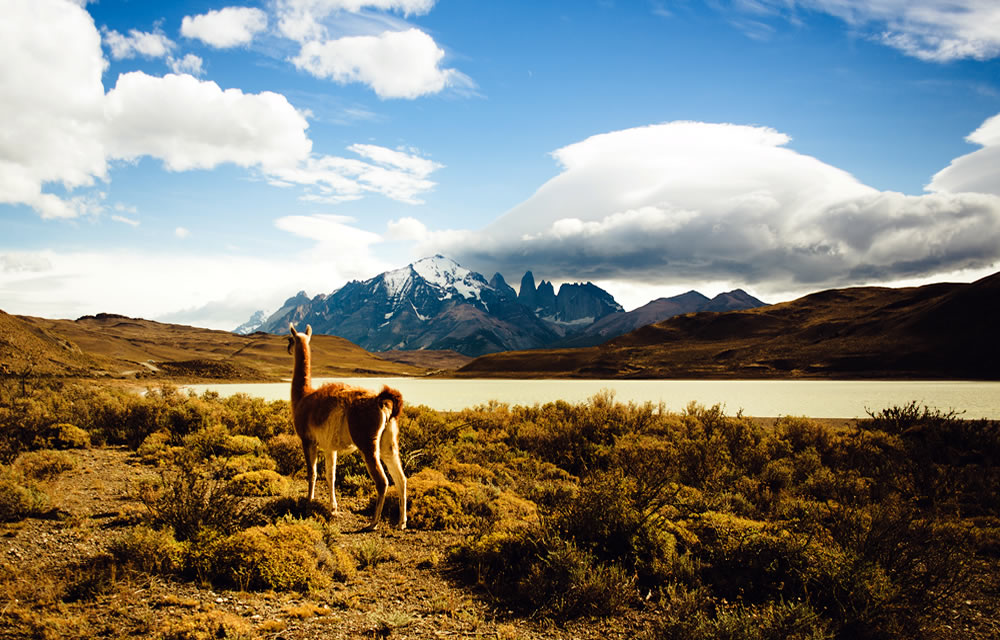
(428, 358)
(118, 346)
(940, 331)
(27, 348)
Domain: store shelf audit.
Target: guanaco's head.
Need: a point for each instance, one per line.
(294, 336)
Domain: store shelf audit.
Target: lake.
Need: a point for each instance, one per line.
(761, 398)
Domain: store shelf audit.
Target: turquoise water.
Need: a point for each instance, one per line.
(814, 398)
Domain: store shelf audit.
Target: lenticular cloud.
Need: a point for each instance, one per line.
(690, 200)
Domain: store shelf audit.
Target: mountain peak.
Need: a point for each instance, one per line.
(440, 270)
(258, 318)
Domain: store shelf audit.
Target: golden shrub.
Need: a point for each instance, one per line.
(43, 464)
(264, 482)
(69, 436)
(282, 557)
(286, 451)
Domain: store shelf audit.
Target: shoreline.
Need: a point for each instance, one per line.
(846, 401)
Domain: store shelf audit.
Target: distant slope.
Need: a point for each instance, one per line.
(28, 348)
(941, 331)
(433, 360)
(618, 324)
(117, 346)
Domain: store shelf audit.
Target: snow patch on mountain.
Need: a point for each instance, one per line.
(449, 276)
(397, 282)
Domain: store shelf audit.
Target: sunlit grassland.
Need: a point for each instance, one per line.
(695, 523)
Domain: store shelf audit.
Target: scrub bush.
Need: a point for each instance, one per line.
(19, 497)
(68, 436)
(534, 572)
(44, 464)
(296, 508)
(771, 621)
(251, 416)
(156, 449)
(148, 550)
(206, 625)
(217, 442)
(259, 483)
(247, 463)
(189, 498)
(612, 520)
(286, 451)
(282, 557)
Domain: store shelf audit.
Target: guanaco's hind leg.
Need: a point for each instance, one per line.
(370, 453)
(311, 451)
(389, 450)
(331, 477)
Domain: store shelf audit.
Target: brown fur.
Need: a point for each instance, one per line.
(338, 418)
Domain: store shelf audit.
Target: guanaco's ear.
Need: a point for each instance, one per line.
(291, 343)
(309, 330)
(291, 328)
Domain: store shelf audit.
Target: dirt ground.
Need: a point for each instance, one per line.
(408, 595)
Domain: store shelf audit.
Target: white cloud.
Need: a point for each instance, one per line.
(124, 220)
(227, 27)
(976, 171)
(331, 233)
(933, 30)
(59, 125)
(150, 285)
(394, 174)
(411, 163)
(406, 7)
(396, 64)
(345, 41)
(181, 232)
(407, 230)
(24, 262)
(303, 20)
(52, 111)
(190, 63)
(194, 124)
(688, 201)
(339, 252)
(148, 45)
(162, 285)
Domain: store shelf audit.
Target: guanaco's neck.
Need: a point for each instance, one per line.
(302, 374)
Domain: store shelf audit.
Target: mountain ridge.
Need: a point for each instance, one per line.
(612, 326)
(937, 331)
(419, 306)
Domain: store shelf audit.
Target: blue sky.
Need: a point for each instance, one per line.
(194, 161)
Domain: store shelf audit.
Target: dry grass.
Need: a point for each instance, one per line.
(721, 527)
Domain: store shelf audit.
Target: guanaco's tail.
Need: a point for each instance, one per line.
(393, 397)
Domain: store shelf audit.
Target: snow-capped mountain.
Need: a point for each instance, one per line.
(258, 318)
(435, 303)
